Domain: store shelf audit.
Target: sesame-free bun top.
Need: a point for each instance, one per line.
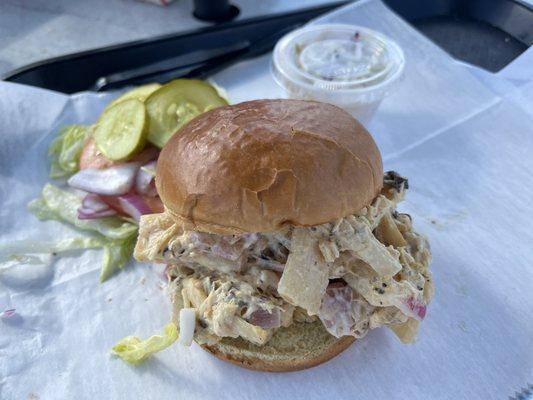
(257, 165)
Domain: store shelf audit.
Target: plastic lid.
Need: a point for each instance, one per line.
(336, 57)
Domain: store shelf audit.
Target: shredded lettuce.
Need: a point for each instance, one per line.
(61, 205)
(15, 259)
(39, 208)
(114, 234)
(134, 350)
(65, 150)
(117, 253)
(13, 249)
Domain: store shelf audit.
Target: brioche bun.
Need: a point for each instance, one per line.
(300, 346)
(257, 165)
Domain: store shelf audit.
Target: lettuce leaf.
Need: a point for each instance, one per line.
(117, 253)
(134, 350)
(62, 205)
(65, 150)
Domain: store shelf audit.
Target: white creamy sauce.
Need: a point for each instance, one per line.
(340, 60)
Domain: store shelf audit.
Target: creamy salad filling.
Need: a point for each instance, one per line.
(361, 272)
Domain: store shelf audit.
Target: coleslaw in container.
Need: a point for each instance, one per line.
(346, 65)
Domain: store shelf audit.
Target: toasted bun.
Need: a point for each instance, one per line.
(301, 346)
(255, 166)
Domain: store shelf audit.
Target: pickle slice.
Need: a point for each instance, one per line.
(122, 129)
(176, 103)
(139, 93)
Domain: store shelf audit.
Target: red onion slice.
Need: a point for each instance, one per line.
(144, 183)
(133, 205)
(224, 250)
(336, 309)
(8, 313)
(270, 264)
(93, 207)
(93, 202)
(414, 308)
(88, 214)
(111, 181)
(265, 319)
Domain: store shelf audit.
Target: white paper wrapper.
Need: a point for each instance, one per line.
(159, 2)
(465, 141)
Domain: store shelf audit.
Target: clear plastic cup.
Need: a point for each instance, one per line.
(346, 65)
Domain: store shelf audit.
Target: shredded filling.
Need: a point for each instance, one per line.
(358, 273)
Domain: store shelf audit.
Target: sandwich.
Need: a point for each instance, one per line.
(282, 237)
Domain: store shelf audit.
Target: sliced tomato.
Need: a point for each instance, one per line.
(148, 154)
(91, 157)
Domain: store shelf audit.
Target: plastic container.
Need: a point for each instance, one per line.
(346, 65)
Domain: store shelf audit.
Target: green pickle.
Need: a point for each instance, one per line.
(139, 93)
(122, 129)
(176, 103)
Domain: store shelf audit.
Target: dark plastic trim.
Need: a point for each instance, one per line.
(511, 16)
(79, 71)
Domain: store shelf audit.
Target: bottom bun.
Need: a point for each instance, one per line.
(300, 346)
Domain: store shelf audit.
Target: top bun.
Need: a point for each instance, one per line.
(255, 166)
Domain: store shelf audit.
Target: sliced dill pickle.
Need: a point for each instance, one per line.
(122, 129)
(139, 93)
(176, 103)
